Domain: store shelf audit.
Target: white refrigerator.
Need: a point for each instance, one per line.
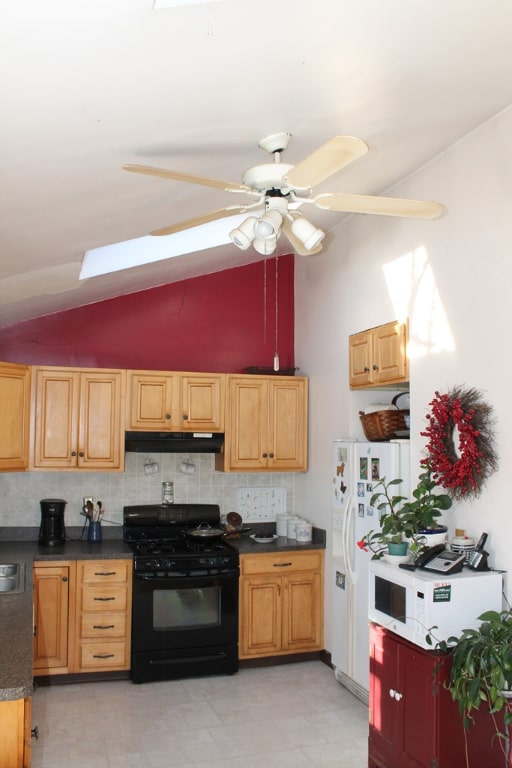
(357, 466)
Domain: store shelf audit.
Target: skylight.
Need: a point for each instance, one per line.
(148, 249)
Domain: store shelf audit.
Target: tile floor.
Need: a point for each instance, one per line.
(288, 716)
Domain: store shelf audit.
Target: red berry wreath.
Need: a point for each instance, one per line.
(463, 414)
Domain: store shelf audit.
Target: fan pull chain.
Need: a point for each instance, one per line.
(264, 301)
(276, 356)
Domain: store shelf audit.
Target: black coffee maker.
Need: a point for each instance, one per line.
(52, 531)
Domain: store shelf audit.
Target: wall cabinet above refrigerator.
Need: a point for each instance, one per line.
(378, 356)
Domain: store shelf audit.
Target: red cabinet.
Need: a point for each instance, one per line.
(413, 721)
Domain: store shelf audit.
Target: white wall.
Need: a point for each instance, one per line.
(452, 278)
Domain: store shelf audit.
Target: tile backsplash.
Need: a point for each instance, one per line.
(21, 492)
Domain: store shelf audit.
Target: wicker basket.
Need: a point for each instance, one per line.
(382, 425)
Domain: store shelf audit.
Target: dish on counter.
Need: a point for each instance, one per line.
(263, 539)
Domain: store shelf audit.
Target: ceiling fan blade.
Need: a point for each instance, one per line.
(330, 158)
(178, 176)
(296, 244)
(222, 213)
(382, 206)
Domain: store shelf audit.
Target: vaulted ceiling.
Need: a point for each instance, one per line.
(91, 85)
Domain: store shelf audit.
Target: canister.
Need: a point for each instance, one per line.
(303, 532)
(290, 527)
(281, 523)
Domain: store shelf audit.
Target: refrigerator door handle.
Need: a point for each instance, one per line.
(347, 540)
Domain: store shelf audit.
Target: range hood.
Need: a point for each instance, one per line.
(173, 442)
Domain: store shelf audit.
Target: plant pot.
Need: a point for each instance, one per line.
(399, 549)
(431, 537)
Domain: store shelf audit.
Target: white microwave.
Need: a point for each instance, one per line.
(410, 603)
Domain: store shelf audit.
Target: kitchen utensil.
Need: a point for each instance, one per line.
(234, 519)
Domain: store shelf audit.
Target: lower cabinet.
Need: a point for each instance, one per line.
(82, 616)
(15, 733)
(281, 603)
(413, 721)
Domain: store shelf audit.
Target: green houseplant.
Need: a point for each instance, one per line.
(402, 519)
(481, 670)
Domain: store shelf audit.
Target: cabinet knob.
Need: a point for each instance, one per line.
(35, 732)
(167, 416)
(375, 367)
(265, 455)
(64, 578)
(185, 417)
(271, 455)
(73, 453)
(366, 369)
(81, 454)
(398, 696)
(392, 693)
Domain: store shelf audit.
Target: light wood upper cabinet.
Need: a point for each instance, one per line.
(378, 356)
(174, 401)
(281, 603)
(14, 416)
(78, 419)
(266, 427)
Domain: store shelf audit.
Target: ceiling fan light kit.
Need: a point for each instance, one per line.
(280, 190)
(307, 233)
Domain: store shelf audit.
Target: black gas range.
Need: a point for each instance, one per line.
(185, 592)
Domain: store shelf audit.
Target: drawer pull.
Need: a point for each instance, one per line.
(104, 573)
(282, 565)
(103, 655)
(103, 626)
(104, 599)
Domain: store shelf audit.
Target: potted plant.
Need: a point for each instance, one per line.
(406, 521)
(481, 670)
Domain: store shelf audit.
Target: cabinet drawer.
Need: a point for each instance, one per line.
(104, 571)
(102, 625)
(102, 655)
(283, 562)
(101, 599)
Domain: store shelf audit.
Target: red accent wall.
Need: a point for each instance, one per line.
(217, 322)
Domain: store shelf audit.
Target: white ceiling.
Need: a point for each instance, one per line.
(90, 85)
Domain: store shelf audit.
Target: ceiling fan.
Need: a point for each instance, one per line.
(279, 192)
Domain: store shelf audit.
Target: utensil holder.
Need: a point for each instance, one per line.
(94, 533)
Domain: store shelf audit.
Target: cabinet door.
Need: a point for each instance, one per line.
(360, 359)
(302, 612)
(52, 585)
(56, 399)
(246, 436)
(14, 738)
(390, 354)
(202, 403)
(287, 439)
(100, 442)
(151, 402)
(383, 688)
(14, 416)
(260, 616)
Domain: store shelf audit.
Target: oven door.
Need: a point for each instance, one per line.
(184, 626)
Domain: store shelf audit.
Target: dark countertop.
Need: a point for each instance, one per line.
(247, 546)
(16, 612)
